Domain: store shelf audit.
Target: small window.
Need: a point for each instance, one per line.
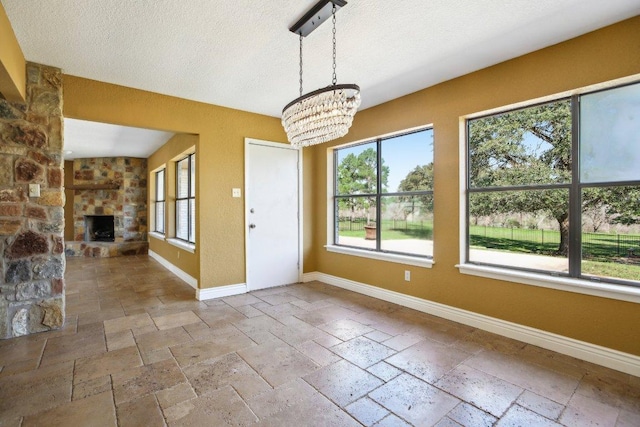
(159, 203)
(186, 198)
(383, 195)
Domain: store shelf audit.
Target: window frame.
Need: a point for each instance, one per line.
(190, 198)
(162, 200)
(574, 280)
(333, 212)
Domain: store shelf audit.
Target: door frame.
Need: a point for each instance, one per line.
(247, 243)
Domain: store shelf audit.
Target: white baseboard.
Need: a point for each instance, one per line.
(190, 280)
(604, 356)
(221, 291)
(201, 294)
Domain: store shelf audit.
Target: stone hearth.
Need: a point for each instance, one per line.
(105, 249)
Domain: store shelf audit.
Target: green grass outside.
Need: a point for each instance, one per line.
(605, 255)
(514, 239)
(398, 230)
(595, 246)
(611, 269)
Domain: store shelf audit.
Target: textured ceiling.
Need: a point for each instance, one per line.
(240, 54)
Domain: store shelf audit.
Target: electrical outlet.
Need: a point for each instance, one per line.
(407, 276)
(235, 192)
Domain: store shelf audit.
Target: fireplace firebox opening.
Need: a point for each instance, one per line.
(99, 228)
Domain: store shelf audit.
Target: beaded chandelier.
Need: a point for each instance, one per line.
(324, 114)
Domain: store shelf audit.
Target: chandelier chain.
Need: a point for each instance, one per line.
(335, 77)
(300, 64)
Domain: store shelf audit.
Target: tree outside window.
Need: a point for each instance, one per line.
(556, 187)
(384, 194)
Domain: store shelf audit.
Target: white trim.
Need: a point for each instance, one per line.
(221, 291)
(568, 284)
(247, 243)
(382, 256)
(604, 356)
(179, 243)
(190, 280)
(387, 135)
(156, 235)
(162, 166)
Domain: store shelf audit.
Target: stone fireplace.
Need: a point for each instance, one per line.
(109, 207)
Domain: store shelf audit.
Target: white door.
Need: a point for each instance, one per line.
(272, 221)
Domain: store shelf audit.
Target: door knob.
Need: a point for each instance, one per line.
(252, 226)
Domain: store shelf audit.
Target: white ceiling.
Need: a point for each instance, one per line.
(240, 54)
(89, 139)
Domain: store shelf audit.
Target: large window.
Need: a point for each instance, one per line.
(186, 198)
(555, 187)
(159, 202)
(383, 194)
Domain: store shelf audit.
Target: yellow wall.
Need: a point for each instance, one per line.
(597, 57)
(13, 83)
(601, 56)
(166, 156)
(220, 160)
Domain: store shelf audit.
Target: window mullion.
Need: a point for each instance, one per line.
(336, 216)
(467, 193)
(575, 194)
(519, 188)
(189, 184)
(177, 200)
(378, 197)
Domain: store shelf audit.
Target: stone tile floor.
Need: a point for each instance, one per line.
(138, 350)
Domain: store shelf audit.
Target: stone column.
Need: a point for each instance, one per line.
(31, 228)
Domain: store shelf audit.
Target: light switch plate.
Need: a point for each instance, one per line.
(34, 190)
(235, 192)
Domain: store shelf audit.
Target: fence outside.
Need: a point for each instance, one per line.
(593, 244)
(357, 224)
(349, 224)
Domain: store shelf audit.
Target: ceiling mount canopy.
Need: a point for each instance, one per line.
(327, 113)
(319, 13)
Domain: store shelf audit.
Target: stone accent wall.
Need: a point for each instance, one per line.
(127, 202)
(32, 295)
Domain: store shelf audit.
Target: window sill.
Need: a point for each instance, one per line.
(581, 286)
(157, 235)
(189, 247)
(382, 256)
